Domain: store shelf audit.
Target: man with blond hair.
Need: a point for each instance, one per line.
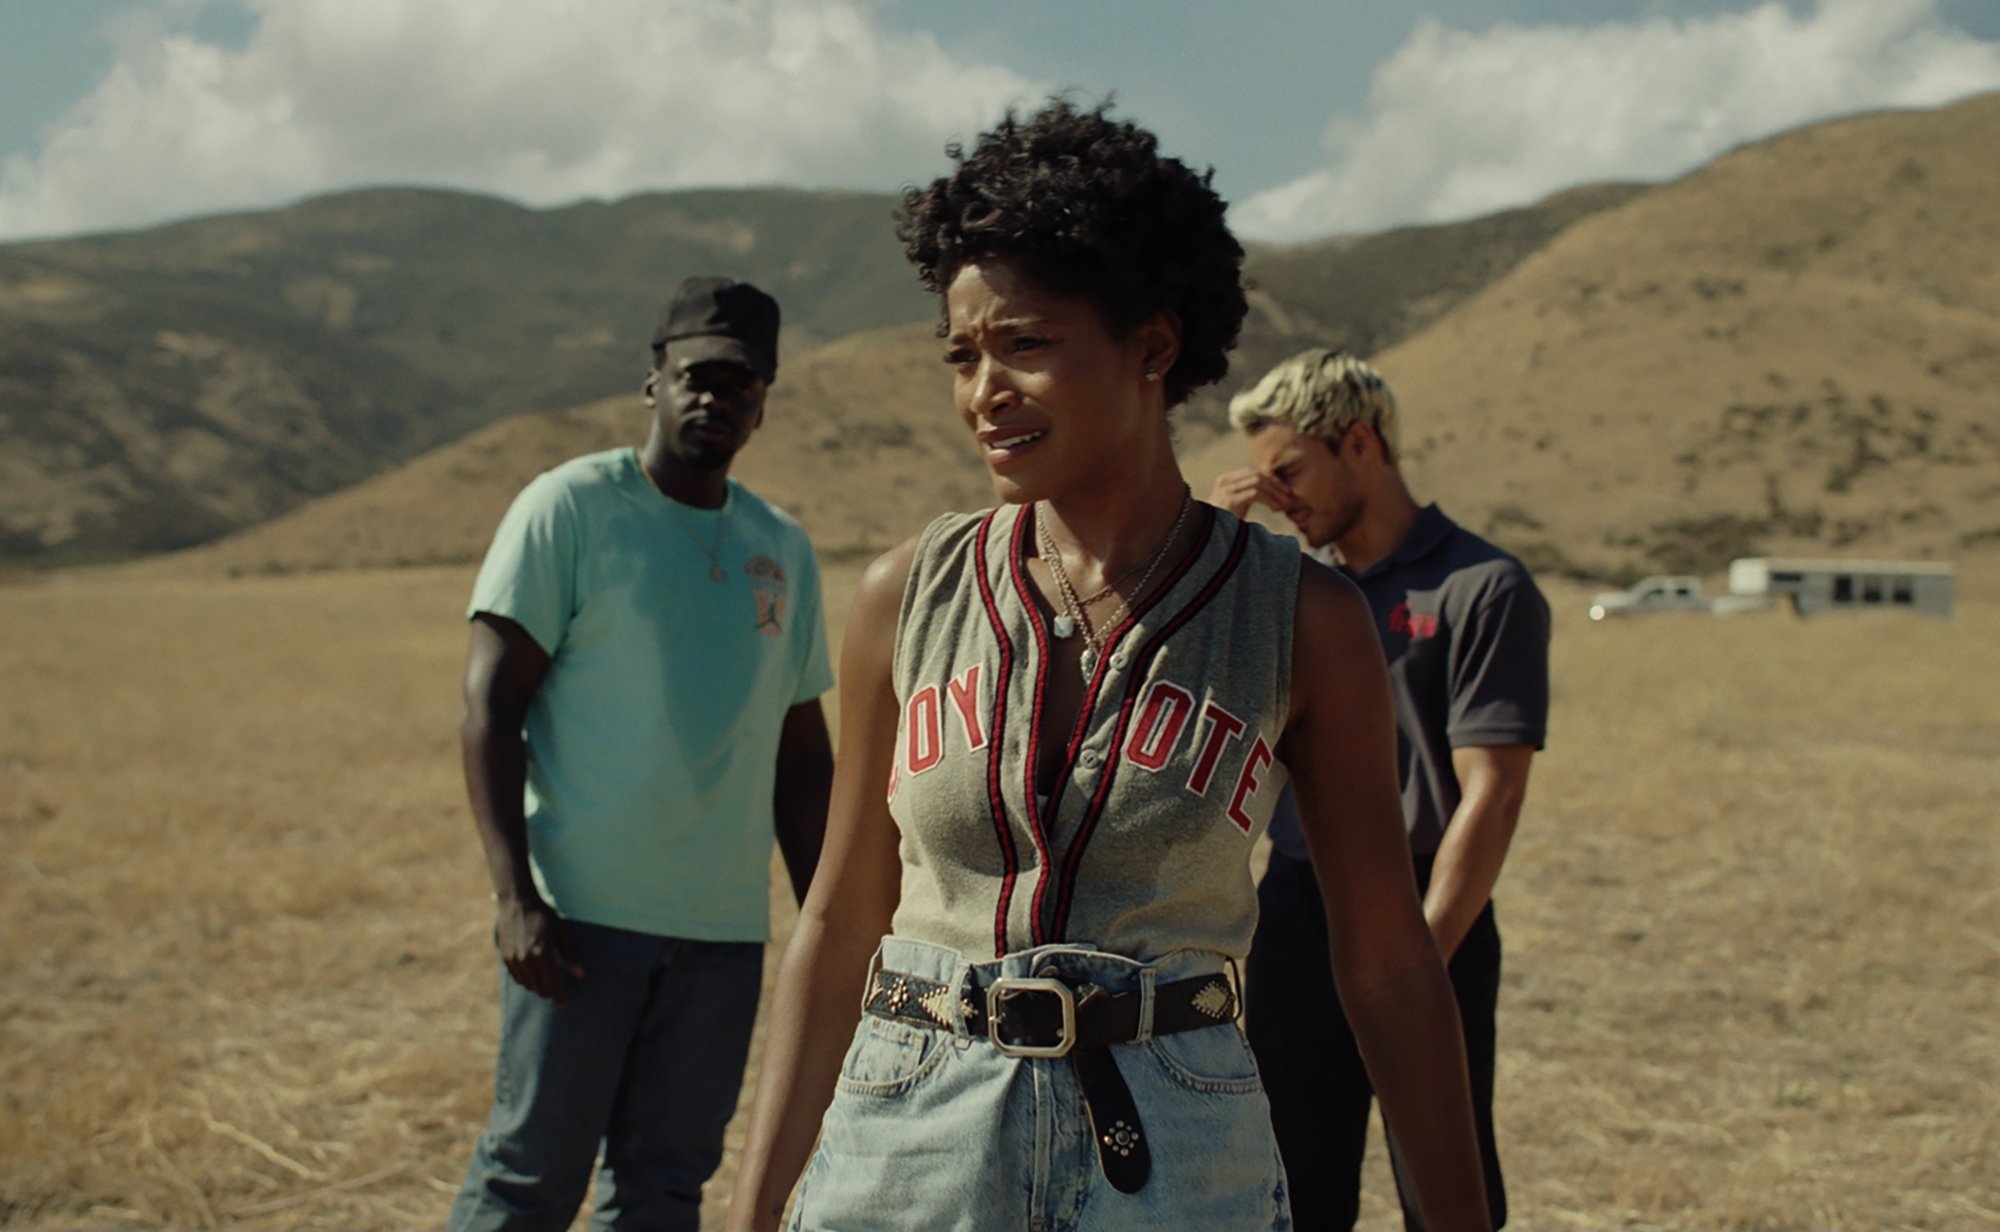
(1466, 633)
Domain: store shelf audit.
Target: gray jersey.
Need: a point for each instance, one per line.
(1142, 846)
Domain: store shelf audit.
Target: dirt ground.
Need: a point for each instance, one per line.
(1750, 918)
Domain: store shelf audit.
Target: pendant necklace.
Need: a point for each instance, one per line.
(714, 554)
(1074, 617)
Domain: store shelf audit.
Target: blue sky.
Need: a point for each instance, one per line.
(1318, 117)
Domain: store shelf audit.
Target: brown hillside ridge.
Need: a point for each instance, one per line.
(859, 442)
(863, 446)
(162, 388)
(1366, 293)
(1795, 349)
(440, 509)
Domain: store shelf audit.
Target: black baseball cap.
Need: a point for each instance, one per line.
(721, 318)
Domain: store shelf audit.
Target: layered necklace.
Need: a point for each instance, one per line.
(1075, 616)
(714, 553)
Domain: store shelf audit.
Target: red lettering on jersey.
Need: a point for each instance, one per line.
(1246, 782)
(926, 733)
(894, 782)
(965, 695)
(1223, 727)
(1162, 715)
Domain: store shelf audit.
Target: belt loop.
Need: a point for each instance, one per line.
(868, 980)
(1149, 977)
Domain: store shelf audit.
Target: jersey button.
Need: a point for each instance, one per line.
(1088, 759)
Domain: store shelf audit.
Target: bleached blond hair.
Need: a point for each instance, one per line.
(1321, 393)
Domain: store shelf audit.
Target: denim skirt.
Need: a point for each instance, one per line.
(937, 1129)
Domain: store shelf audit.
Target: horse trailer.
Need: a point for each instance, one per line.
(1816, 586)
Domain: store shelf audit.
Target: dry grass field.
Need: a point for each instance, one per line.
(1751, 919)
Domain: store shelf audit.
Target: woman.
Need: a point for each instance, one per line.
(1063, 723)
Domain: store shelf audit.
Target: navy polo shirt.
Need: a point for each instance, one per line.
(1466, 632)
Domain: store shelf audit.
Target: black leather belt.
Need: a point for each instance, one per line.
(1046, 1016)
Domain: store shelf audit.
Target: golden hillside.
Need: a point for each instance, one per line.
(867, 407)
(161, 388)
(859, 442)
(1796, 348)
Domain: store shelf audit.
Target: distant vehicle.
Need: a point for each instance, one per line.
(1661, 593)
(1818, 586)
(1813, 587)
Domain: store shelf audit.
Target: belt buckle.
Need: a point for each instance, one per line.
(1015, 985)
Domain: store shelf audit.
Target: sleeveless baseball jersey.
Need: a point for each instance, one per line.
(1143, 845)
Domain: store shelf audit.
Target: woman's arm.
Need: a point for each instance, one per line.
(1341, 749)
(843, 919)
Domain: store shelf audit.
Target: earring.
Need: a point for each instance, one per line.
(1152, 374)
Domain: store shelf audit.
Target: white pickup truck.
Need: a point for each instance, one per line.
(1670, 593)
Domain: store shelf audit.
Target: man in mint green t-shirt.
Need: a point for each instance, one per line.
(641, 718)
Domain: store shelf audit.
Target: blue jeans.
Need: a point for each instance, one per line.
(644, 1060)
(938, 1131)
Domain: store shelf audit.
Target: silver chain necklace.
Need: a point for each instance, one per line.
(714, 554)
(1074, 617)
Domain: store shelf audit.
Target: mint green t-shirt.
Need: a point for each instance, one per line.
(653, 740)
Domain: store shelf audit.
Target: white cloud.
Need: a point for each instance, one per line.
(544, 101)
(1460, 124)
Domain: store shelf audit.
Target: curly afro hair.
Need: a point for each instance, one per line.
(1088, 206)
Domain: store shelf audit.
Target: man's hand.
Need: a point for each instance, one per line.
(530, 938)
(1236, 491)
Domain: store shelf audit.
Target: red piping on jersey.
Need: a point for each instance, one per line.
(1035, 811)
(1141, 663)
(1018, 568)
(996, 801)
(1111, 640)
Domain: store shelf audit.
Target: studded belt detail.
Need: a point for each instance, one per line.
(1049, 1017)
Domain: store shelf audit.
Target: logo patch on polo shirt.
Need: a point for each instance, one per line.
(1414, 625)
